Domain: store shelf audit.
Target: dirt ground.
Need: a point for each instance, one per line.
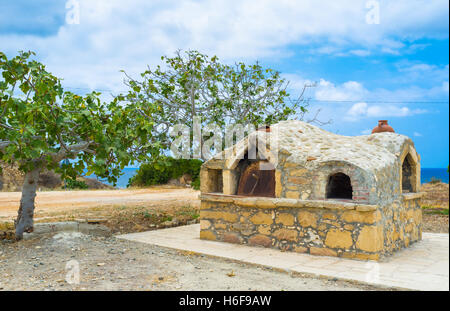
(65, 201)
(435, 206)
(123, 211)
(113, 264)
(435, 223)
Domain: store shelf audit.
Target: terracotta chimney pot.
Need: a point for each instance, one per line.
(383, 126)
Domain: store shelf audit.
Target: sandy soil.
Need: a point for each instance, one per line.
(54, 201)
(113, 264)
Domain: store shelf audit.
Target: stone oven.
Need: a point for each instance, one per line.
(311, 191)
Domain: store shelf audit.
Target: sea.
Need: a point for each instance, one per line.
(427, 174)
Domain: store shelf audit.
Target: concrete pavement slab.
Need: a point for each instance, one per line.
(423, 266)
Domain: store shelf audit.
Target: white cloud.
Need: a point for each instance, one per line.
(350, 90)
(364, 110)
(416, 72)
(417, 134)
(360, 52)
(114, 35)
(351, 101)
(353, 91)
(357, 110)
(392, 111)
(445, 87)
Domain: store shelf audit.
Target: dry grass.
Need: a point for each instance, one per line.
(126, 219)
(435, 207)
(6, 230)
(120, 219)
(436, 195)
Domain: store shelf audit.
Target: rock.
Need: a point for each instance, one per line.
(370, 239)
(285, 219)
(307, 219)
(300, 249)
(286, 234)
(170, 223)
(174, 182)
(226, 216)
(204, 224)
(260, 240)
(298, 180)
(207, 235)
(338, 239)
(232, 238)
(231, 274)
(361, 217)
(322, 251)
(262, 219)
(96, 230)
(292, 195)
(186, 179)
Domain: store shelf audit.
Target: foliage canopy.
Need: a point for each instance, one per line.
(41, 125)
(191, 85)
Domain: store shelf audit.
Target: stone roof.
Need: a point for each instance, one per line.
(301, 141)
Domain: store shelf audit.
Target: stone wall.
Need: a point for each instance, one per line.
(402, 222)
(294, 181)
(303, 183)
(331, 228)
(377, 220)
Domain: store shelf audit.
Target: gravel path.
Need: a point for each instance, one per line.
(113, 264)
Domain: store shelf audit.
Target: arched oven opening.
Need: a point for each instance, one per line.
(408, 174)
(257, 178)
(339, 186)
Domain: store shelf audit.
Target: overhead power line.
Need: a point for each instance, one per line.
(379, 101)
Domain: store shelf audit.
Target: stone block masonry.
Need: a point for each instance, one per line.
(353, 197)
(342, 229)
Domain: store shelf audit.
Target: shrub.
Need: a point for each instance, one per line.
(75, 184)
(435, 210)
(160, 171)
(435, 180)
(196, 184)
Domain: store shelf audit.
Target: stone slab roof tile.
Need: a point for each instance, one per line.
(311, 146)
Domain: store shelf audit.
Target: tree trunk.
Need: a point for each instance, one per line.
(24, 221)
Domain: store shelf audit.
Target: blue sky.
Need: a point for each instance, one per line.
(395, 69)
